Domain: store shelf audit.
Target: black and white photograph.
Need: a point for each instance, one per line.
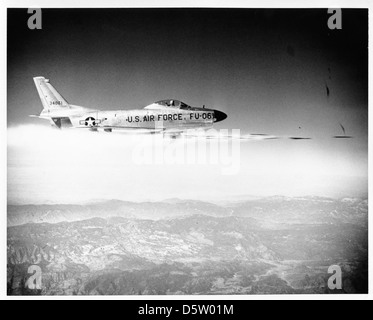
(186, 151)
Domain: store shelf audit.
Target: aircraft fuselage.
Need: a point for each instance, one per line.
(146, 119)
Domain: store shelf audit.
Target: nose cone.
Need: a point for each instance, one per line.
(219, 116)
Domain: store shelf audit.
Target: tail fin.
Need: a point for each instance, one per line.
(49, 96)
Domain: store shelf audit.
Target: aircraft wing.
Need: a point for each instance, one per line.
(245, 137)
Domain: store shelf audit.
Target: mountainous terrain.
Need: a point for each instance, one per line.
(265, 246)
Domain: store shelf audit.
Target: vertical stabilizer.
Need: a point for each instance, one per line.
(49, 96)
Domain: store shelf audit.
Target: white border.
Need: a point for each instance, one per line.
(161, 4)
(187, 3)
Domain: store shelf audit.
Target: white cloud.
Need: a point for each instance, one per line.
(50, 166)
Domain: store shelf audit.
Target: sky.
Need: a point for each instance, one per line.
(269, 70)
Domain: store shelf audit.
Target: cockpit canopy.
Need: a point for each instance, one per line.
(173, 104)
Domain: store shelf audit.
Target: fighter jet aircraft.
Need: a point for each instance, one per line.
(169, 117)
